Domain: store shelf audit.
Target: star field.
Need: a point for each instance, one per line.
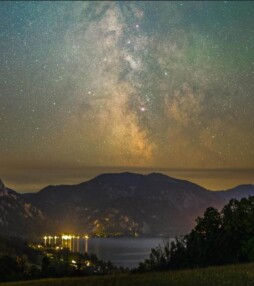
(90, 87)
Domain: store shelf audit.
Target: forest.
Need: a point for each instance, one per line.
(219, 238)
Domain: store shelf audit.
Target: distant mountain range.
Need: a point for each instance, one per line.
(124, 203)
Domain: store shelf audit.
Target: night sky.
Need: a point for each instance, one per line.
(93, 87)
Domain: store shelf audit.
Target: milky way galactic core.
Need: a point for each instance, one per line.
(124, 86)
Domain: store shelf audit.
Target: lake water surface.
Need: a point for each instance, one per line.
(125, 252)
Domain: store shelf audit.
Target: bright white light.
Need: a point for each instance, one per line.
(66, 237)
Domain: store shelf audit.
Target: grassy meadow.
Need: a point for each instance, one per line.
(238, 275)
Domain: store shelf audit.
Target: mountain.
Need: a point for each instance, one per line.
(239, 192)
(17, 216)
(125, 203)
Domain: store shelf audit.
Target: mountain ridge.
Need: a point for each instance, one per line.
(128, 203)
(17, 215)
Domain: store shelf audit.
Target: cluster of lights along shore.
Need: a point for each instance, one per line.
(66, 241)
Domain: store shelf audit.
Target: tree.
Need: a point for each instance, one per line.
(218, 238)
(203, 242)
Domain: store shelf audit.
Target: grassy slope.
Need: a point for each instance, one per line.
(238, 275)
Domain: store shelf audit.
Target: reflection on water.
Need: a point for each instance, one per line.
(66, 241)
(125, 252)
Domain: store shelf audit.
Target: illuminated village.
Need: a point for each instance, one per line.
(71, 251)
(70, 241)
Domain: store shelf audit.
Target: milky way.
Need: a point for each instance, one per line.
(122, 86)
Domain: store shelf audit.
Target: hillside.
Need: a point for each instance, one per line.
(231, 275)
(18, 216)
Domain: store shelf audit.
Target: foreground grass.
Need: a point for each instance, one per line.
(238, 275)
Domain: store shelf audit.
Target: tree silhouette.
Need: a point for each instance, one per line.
(218, 238)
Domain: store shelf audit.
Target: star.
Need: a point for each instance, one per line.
(155, 84)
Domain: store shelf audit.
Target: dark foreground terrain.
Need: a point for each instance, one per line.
(242, 274)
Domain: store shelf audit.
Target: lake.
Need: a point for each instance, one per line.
(125, 252)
